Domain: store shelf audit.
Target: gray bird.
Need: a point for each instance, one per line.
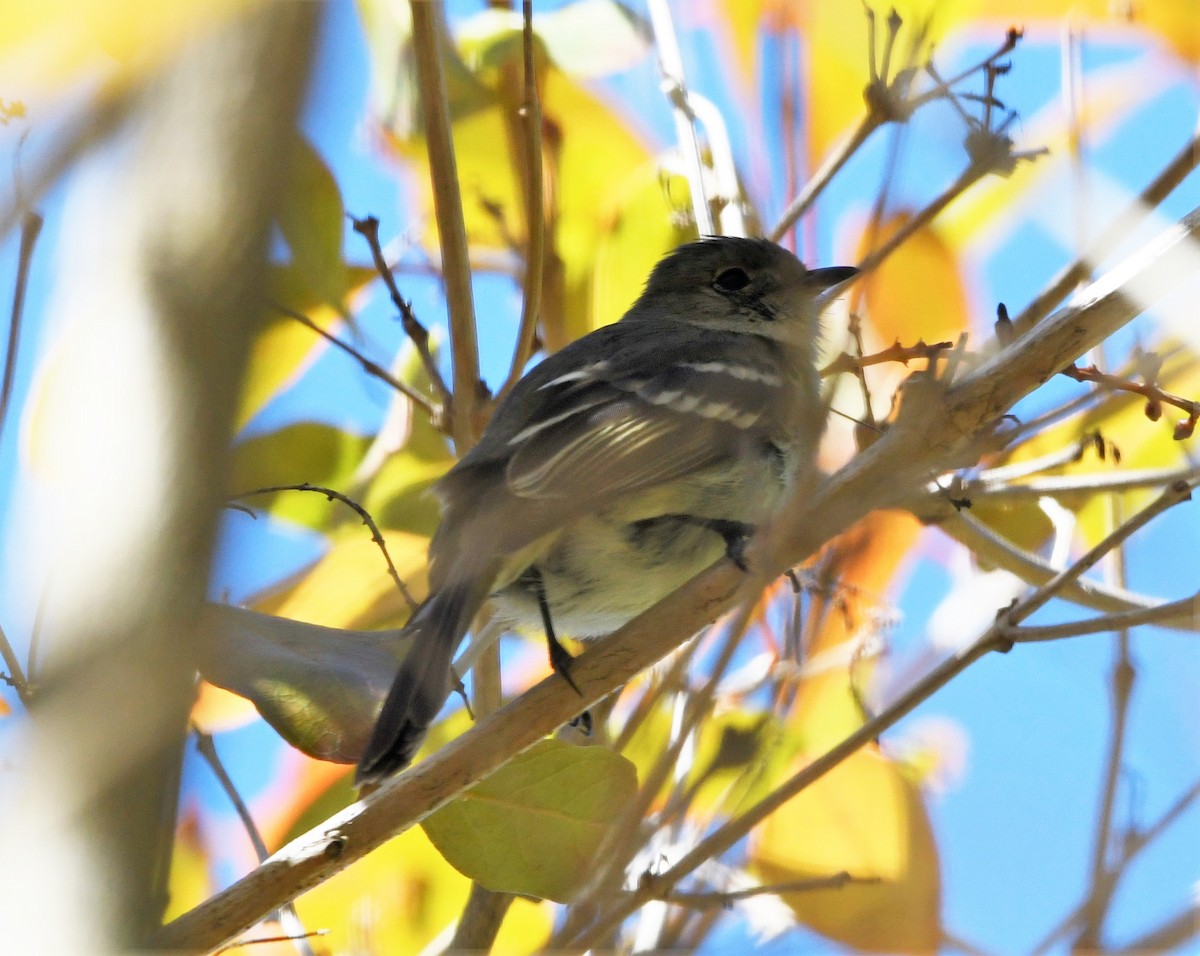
(622, 466)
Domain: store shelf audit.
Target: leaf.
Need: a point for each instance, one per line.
(302, 452)
(284, 348)
(638, 227)
(54, 44)
(1120, 418)
(319, 687)
(590, 155)
(864, 817)
(350, 585)
(857, 568)
(189, 881)
(312, 220)
(534, 826)
(897, 294)
(593, 38)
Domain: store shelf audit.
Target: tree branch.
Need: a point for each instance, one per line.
(940, 426)
(428, 44)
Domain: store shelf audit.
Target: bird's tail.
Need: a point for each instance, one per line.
(424, 680)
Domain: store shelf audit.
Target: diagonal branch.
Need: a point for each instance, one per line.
(939, 427)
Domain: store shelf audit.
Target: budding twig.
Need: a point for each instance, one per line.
(895, 352)
(358, 509)
(368, 228)
(1155, 397)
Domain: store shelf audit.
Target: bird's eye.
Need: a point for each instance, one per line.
(731, 280)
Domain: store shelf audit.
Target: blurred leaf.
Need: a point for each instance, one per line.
(593, 38)
(217, 710)
(639, 226)
(864, 817)
(302, 452)
(534, 826)
(189, 883)
(312, 220)
(54, 44)
(593, 160)
(858, 567)
(899, 305)
(319, 687)
(284, 348)
(1121, 420)
(396, 899)
(399, 495)
(350, 586)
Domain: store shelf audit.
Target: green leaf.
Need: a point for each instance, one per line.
(283, 347)
(593, 38)
(534, 826)
(303, 452)
(312, 220)
(319, 687)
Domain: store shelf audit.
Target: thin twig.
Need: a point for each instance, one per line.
(726, 836)
(1117, 231)
(1178, 492)
(1155, 396)
(967, 178)
(984, 487)
(16, 676)
(428, 45)
(824, 175)
(535, 215)
(368, 366)
(893, 353)
(1184, 612)
(31, 227)
(1133, 845)
(978, 538)
(627, 835)
(727, 898)
(1169, 936)
(670, 66)
(97, 121)
(358, 509)
(288, 917)
(262, 940)
(368, 228)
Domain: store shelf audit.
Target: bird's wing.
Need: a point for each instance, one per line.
(596, 435)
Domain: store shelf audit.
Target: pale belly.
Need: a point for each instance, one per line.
(604, 569)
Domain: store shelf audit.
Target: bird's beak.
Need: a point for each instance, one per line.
(831, 277)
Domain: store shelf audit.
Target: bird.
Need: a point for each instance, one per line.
(621, 466)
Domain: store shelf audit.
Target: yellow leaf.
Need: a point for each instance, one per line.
(858, 567)
(350, 587)
(866, 818)
(591, 159)
(284, 348)
(1138, 442)
(50, 45)
(189, 882)
(900, 305)
(217, 710)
